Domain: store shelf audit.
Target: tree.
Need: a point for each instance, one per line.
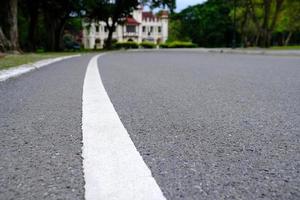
(171, 4)
(266, 20)
(9, 39)
(289, 22)
(207, 24)
(55, 14)
(28, 19)
(176, 31)
(42, 22)
(245, 26)
(111, 12)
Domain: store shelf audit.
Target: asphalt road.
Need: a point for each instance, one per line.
(40, 129)
(208, 125)
(211, 126)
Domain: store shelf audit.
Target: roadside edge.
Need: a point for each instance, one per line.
(22, 69)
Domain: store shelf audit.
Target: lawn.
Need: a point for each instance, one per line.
(285, 48)
(14, 60)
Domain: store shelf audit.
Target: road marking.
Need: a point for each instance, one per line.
(113, 168)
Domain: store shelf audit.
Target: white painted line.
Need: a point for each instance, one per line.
(22, 69)
(113, 168)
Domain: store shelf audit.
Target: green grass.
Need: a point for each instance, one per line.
(285, 48)
(178, 44)
(9, 60)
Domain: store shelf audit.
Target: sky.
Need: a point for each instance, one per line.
(181, 4)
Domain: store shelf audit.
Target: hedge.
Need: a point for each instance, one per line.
(148, 45)
(126, 45)
(178, 44)
(164, 46)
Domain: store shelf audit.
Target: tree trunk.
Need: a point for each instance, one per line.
(264, 30)
(287, 41)
(55, 32)
(265, 24)
(50, 43)
(111, 29)
(4, 43)
(34, 13)
(59, 32)
(13, 25)
(109, 39)
(257, 38)
(269, 38)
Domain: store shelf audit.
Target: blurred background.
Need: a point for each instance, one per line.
(57, 25)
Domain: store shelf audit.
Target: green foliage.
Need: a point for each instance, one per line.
(290, 18)
(164, 46)
(40, 51)
(207, 24)
(286, 47)
(176, 31)
(43, 23)
(258, 20)
(106, 9)
(171, 4)
(74, 24)
(126, 45)
(70, 43)
(178, 44)
(111, 12)
(148, 45)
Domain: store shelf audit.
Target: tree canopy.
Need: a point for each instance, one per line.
(258, 23)
(42, 22)
(111, 12)
(29, 25)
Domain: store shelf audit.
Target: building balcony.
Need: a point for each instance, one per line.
(130, 34)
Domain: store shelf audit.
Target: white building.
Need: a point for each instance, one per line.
(140, 26)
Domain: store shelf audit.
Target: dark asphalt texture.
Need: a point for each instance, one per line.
(211, 126)
(40, 133)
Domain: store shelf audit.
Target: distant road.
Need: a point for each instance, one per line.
(208, 125)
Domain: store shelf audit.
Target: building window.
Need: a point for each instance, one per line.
(159, 29)
(105, 29)
(144, 29)
(151, 29)
(97, 41)
(97, 29)
(130, 29)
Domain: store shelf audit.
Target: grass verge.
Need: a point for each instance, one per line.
(285, 48)
(8, 61)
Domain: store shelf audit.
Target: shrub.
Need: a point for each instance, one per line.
(126, 45)
(178, 44)
(164, 46)
(40, 50)
(113, 43)
(148, 45)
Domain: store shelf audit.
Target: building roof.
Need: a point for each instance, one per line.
(148, 15)
(131, 21)
(164, 13)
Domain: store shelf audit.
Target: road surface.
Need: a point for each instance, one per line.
(208, 125)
